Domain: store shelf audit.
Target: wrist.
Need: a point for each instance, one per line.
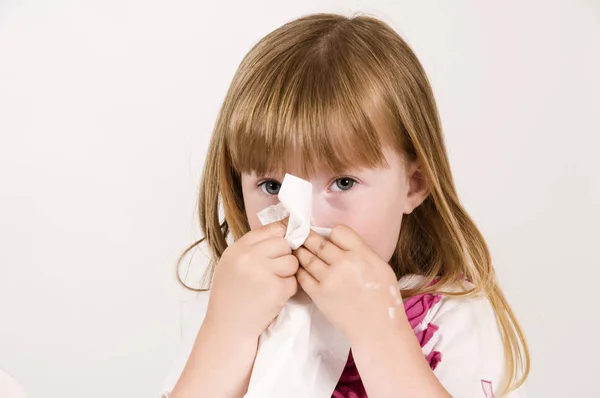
(392, 326)
(225, 334)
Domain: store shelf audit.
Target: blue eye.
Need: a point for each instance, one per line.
(343, 184)
(270, 187)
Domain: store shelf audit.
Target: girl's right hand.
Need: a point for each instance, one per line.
(252, 282)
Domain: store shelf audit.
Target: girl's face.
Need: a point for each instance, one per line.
(370, 201)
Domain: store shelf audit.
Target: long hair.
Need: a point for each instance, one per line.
(312, 90)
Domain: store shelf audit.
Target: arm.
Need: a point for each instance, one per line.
(218, 366)
(392, 364)
(244, 300)
(469, 341)
(358, 292)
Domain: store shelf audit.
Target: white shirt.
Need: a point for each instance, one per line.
(466, 339)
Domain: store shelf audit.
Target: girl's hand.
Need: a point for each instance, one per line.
(353, 287)
(253, 280)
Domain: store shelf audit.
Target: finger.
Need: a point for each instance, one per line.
(309, 284)
(345, 237)
(274, 247)
(291, 286)
(323, 248)
(285, 221)
(311, 263)
(275, 229)
(285, 266)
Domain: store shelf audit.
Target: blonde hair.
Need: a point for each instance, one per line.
(312, 90)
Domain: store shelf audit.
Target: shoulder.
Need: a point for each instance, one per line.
(463, 343)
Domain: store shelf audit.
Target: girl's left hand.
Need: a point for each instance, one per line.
(352, 286)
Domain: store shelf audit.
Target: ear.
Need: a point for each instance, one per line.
(418, 189)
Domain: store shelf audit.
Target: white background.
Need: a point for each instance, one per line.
(106, 108)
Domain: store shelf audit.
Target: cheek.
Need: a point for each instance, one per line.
(381, 234)
(253, 221)
(379, 227)
(254, 202)
(253, 207)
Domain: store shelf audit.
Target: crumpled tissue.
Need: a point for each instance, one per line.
(301, 354)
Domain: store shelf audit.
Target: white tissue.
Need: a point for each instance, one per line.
(300, 354)
(295, 201)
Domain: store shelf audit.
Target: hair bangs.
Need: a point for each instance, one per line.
(306, 124)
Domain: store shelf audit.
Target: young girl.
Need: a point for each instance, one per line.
(345, 103)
